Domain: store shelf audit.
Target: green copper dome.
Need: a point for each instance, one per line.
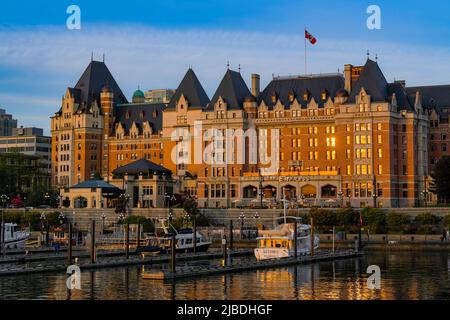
(138, 94)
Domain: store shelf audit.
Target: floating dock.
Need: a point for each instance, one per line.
(53, 264)
(198, 271)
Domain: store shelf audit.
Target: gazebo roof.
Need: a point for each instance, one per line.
(141, 166)
(93, 183)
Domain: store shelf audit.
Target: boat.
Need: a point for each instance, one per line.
(14, 238)
(184, 242)
(279, 243)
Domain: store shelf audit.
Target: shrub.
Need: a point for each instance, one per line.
(446, 221)
(397, 222)
(147, 224)
(347, 218)
(323, 219)
(427, 223)
(375, 220)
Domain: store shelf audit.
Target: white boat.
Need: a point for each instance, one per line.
(279, 242)
(14, 238)
(184, 242)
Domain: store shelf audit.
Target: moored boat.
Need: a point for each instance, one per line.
(279, 242)
(14, 238)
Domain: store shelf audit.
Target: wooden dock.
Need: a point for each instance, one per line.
(56, 265)
(197, 271)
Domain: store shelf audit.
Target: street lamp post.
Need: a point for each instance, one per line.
(341, 198)
(242, 218)
(256, 216)
(44, 223)
(103, 222)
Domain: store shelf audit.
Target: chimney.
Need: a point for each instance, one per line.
(348, 77)
(402, 82)
(255, 84)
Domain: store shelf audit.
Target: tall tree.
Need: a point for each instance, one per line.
(441, 179)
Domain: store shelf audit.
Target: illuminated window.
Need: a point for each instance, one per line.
(380, 169)
(380, 153)
(379, 126)
(358, 140)
(358, 169)
(364, 169)
(380, 139)
(347, 140)
(349, 170)
(348, 153)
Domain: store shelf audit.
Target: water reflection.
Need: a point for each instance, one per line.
(404, 276)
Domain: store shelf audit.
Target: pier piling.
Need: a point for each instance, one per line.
(127, 241)
(312, 237)
(173, 260)
(231, 235)
(138, 242)
(295, 239)
(195, 235)
(69, 251)
(93, 242)
(224, 250)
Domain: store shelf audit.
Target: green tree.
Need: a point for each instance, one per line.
(375, 219)
(347, 218)
(446, 221)
(441, 180)
(147, 224)
(397, 222)
(427, 223)
(323, 219)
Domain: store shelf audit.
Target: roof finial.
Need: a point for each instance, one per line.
(376, 57)
(92, 55)
(103, 58)
(228, 65)
(239, 68)
(368, 54)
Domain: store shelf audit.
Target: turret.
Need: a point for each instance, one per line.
(107, 102)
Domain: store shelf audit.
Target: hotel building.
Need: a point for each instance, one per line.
(350, 139)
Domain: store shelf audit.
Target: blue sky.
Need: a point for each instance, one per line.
(152, 43)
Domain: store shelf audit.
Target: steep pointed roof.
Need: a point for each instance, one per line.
(373, 81)
(433, 97)
(192, 90)
(94, 78)
(232, 89)
(314, 86)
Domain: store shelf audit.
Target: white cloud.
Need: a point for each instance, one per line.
(54, 58)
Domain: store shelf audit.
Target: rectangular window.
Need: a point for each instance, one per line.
(349, 170)
(380, 169)
(347, 140)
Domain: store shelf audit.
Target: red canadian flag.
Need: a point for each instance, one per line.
(310, 37)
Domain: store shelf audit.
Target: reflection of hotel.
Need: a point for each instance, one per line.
(351, 138)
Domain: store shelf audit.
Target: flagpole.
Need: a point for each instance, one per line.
(306, 69)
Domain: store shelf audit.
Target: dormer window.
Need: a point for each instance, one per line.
(324, 94)
(142, 115)
(128, 115)
(291, 96)
(155, 113)
(274, 97)
(306, 96)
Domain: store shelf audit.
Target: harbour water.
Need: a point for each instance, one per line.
(404, 275)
